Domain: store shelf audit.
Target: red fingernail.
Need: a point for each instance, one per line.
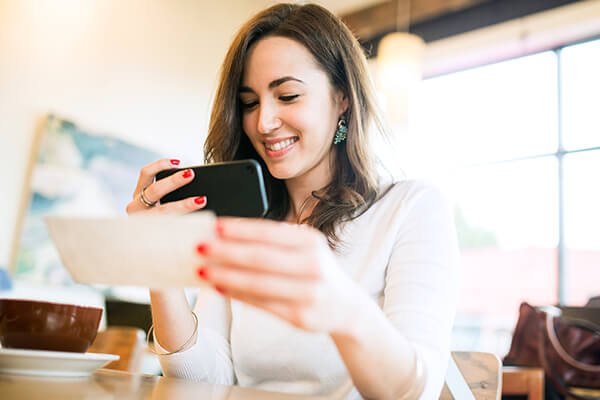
(175, 162)
(200, 200)
(202, 272)
(202, 248)
(219, 289)
(219, 228)
(187, 173)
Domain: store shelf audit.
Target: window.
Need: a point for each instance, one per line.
(491, 137)
(581, 86)
(497, 112)
(582, 226)
(507, 224)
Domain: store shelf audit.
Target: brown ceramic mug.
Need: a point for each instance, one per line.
(40, 325)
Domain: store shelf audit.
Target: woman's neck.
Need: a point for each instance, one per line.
(300, 191)
(301, 201)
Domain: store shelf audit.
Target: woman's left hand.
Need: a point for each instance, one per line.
(286, 269)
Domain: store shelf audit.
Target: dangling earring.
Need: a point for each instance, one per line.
(341, 131)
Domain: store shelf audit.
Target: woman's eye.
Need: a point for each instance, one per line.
(249, 105)
(288, 98)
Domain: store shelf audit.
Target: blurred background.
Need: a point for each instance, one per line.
(495, 101)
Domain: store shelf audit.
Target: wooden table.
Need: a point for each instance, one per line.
(116, 385)
(523, 381)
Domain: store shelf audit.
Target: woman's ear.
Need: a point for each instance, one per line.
(342, 102)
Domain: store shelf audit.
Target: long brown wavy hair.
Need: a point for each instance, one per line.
(354, 186)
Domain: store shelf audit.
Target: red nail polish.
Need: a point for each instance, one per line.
(202, 248)
(219, 228)
(187, 173)
(200, 200)
(220, 289)
(202, 272)
(175, 162)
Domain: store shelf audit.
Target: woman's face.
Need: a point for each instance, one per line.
(290, 110)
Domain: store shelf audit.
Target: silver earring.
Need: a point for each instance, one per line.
(342, 130)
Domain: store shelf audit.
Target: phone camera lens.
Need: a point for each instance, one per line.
(250, 170)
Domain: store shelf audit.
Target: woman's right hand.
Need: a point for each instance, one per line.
(153, 191)
(171, 316)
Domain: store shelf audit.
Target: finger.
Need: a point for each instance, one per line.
(269, 232)
(155, 191)
(135, 206)
(261, 286)
(180, 207)
(148, 172)
(177, 207)
(260, 257)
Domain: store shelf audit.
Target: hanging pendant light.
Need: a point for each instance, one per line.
(399, 67)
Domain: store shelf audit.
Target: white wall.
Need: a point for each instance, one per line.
(142, 70)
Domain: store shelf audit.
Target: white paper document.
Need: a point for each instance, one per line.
(147, 251)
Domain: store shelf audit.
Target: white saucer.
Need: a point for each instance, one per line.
(51, 363)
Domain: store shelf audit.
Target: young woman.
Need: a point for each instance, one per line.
(348, 287)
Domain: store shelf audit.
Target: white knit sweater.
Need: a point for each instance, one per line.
(402, 251)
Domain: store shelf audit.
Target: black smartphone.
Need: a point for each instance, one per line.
(234, 188)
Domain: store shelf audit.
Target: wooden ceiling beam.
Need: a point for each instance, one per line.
(385, 17)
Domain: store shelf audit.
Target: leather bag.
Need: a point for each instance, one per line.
(565, 344)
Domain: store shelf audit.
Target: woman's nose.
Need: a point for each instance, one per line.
(268, 121)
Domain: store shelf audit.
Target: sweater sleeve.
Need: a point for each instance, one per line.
(209, 358)
(420, 293)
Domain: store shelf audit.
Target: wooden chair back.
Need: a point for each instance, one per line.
(127, 342)
(482, 373)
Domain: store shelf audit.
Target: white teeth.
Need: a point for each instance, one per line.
(280, 145)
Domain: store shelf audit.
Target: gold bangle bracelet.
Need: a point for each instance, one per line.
(183, 346)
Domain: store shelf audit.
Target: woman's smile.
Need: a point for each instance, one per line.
(279, 147)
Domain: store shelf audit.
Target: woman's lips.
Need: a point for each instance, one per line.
(281, 147)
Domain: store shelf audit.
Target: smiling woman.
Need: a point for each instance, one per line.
(302, 69)
(348, 288)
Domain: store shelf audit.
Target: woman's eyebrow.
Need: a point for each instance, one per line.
(279, 81)
(273, 84)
